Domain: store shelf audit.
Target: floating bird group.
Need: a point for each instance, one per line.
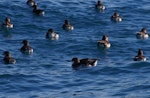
(51, 34)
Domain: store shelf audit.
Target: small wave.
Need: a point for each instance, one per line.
(137, 65)
(47, 65)
(131, 91)
(113, 71)
(6, 75)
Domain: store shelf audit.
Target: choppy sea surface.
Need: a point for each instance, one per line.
(48, 74)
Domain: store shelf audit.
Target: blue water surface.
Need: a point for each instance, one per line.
(48, 74)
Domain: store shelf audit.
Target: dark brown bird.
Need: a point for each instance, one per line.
(140, 56)
(8, 59)
(83, 62)
(38, 11)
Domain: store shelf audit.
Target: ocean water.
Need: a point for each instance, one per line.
(48, 74)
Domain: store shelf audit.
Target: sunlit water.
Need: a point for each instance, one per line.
(48, 74)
